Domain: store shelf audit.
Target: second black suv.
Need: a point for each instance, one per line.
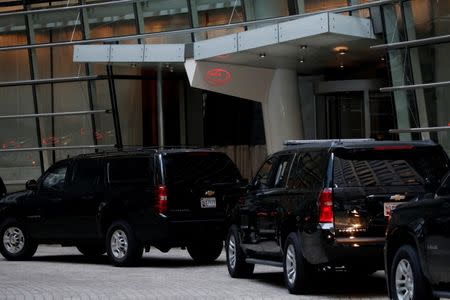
(124, 202)
(325, 204)
(417, 251)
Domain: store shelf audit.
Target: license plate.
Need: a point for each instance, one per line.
(389, 207)
(208, 202)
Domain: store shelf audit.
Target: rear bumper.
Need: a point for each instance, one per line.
(321, 247)
(175, 233)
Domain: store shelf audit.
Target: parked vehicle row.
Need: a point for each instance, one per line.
(124, 202)
(314, 206)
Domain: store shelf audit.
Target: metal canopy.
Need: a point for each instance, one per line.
(272, 46)
(280, 45)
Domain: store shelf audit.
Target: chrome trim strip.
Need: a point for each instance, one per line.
(360, 240)
(51, 80)
(57, 148)
(420, 129)
(64, 8)
(414, 43)
(415, 86)
(72, 113)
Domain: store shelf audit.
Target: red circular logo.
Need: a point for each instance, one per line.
(217, 77)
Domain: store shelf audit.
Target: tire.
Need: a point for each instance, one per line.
(296, 270)
(15, 241)
(122, 246)
(92, 250)
(406, 276)
(206, 252)
(237, 267)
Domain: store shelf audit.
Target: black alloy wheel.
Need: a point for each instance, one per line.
(236, 264)
(16, 243)
(407, 281)
(296, 270)
(122, 246)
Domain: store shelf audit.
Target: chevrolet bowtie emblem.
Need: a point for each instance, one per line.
(210, 193)
(398, 197)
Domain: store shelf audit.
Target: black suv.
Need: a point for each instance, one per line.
(321, 205)
(124, 202)
(417, 251)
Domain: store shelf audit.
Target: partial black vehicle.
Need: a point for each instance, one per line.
(124, 202)
(417, 251)
(324, 205)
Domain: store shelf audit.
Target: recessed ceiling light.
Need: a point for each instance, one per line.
(301, 60)
(262, 55)
(342, 65)
(303, 47)
(341, 50)
(382, 58)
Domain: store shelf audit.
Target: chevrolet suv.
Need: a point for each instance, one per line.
(124, 202)
(324, 205)
(417, 251)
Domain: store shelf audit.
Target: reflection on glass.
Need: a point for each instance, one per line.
(163, 15)
(426, 18)
(111, 20)
(210, 13)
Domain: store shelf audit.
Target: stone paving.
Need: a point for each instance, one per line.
(63, 273)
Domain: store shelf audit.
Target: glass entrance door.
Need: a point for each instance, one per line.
(340, 115)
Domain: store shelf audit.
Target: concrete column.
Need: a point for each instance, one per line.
(281, 110)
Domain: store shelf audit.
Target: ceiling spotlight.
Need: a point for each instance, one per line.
(301, 60)
(167, 66)
(342, 65)
(341, 50)
(171, 69)
(262, 55)
(382, 58)
(133, 65)
(303, 47)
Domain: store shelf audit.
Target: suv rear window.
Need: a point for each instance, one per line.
(199, 167)
(364, 168)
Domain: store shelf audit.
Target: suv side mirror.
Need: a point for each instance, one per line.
(31, 185)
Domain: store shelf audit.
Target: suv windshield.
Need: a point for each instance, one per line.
(199, 167)
(362, 167)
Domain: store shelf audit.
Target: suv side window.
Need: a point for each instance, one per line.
(87, 174)
(264, 175)
(283, 168)
(130, 170)
(55, 179)
(308, 170)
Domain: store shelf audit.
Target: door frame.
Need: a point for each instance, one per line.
(342, 86)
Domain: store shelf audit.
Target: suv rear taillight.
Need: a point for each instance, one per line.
(161, 199)
(326, 206)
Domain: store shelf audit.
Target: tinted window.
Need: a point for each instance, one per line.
(421, 166)
(263, 177)
(87, 174)
(283, 167)
(199, 167)
(55, 179)
(130, 170)
(308, 170)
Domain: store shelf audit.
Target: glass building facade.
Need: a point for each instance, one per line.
(37, 75)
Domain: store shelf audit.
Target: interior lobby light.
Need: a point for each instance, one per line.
(341, 50)
(341, 65)
(262, 55)
(301, 60)
(303, 47)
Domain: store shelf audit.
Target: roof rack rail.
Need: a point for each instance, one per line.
(303, 142)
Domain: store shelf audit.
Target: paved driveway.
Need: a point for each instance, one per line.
(57, 273)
